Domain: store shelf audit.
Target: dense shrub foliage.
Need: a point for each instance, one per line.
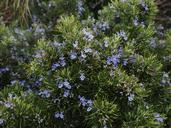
(86, 64)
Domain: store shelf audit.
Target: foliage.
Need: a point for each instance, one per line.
(86, 69)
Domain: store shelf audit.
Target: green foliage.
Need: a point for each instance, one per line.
(18, 8)
(103, 113)
(80, 71)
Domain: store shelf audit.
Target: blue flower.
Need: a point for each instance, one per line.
(64, 83)
(165, 80)
(67, 84)
(120, 51)
(144, 6)
(38, 82)
(40, 54)
(12, 95)
(135, 21)
(39, 31)
(87, 35)
(86, 103)
(22, 82)
(13, 82)
(111, 73)
(89, 109)
(158, 118)
(60, 84)
(83, 101)
(75, 44)
(153, 43)
(114, 59)
(73, 55)
(90, 102)
(44, 93)
(82, 76)
(105, 126)
(131, 97)
(56, 44)
(106, 43)
(95, 29)
(66, 93)
(125, 62)
(83, 55)
(2, 121)
(54, 66)
(122, 34)
(103, 26)
(80, 7)
(8, 105)
(62, 61)
(3, 70)
(87, 50)
(59, 115)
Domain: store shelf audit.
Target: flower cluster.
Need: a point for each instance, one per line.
(165, 80)
(158, 117)
(38, 82)
(80, 7)
(3, 70)
(66, 93)
(135, 21)
(87, 35)
(44, 93)
(122, 34)
(131, 97)
(153, 42)
(87, 70)
(59, 115)
(64, 84)
(114, 60)
(102, 26)
(12, 95)
(7, 104)
(144, 6)
(73, 55)
(60, 63)
(86, 103)
(82, 76)
(39, 54)
(2, 121)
